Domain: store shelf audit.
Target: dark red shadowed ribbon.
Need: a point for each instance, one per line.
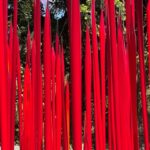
(88, 77)
(96, 75)
(64, 111)
(53, 71)
(111, 103)
(148, 33)
(20, 102)
(10, 58)
(67, 103)
(3, 89)
(38, 88)
(102, 74)
(76, 87)
(58, 100)
(140, 45)
(47, 82)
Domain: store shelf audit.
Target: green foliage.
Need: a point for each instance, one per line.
(85, 14)
(120, 6)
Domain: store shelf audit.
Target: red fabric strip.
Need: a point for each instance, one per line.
(140, 44)
(75, 52)
(47, 82)
(88, 77)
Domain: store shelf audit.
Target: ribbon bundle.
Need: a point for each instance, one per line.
(47, 105)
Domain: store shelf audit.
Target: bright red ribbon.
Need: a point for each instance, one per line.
(47, 82)
(88, 81)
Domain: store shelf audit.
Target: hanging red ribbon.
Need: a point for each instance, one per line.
(88, 81)
(47, 82)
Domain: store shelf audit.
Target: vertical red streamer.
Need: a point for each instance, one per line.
(28, 111)
(114, 54)
(10, 73)
(96, 74)
(148, 33)
(110, 135)
(67, 100)
(111, 112)
(102, 73)
(88, 75)
(47, 82)
(13, 84)
(139, 22)
(124, 84)
(33, 83)
(64, 114)
(75, 40)
(58, 101)
(38, 99)
(112, 132)
(53, 70)
(20, 110)
(3, 90)
(133, 12)
(131, 45)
